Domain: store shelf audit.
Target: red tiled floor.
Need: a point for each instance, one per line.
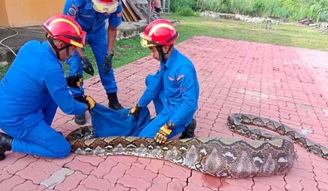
(160, 183)
(72, 181)
(27, 185)
(284, 83)
(98, 184)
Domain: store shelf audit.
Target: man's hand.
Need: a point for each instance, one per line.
(86, 65)
(108, 63)
(135, 111)
(74, 81)
(164, 132)
(91, 103)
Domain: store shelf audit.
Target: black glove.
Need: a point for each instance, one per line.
(74, 81)
(108, 63)
(87, 66)
(135, 111)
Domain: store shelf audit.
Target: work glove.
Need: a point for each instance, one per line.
(91, 103)
(164, 132)
(74, 81)
(87, 66)
(135, 111)
(108, 63)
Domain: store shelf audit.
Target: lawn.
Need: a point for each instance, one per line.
(129, 50)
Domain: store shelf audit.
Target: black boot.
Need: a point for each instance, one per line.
(189, 132)
(113, 101)
(80, 120)
(5, 145)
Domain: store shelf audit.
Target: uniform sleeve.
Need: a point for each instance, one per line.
(154, 85)
(186, 79)
(57, 87)
(70, 9)
(115, 19)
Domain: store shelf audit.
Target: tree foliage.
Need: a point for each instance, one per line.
(292, 9)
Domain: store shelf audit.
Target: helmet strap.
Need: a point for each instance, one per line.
(57, 50)
(161, 52)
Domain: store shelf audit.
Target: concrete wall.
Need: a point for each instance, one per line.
(18, 13)
(3, 14)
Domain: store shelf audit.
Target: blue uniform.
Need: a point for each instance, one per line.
(174, 90)
(30, 92)
(93, 23)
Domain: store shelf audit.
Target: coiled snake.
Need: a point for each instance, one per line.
(227, 157)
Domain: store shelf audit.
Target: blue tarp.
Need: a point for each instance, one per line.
(108, 122)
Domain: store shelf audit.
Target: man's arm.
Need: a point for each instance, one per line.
(79, 52)
(114, 20)
(111, 35)
(57, 87)
(186, 80)
(154, 85)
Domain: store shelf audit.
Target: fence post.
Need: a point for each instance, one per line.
(148, 11)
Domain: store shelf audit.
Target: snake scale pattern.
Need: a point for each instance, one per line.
(227, 157)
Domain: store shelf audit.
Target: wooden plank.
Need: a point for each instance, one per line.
(127, 15)
(124, 17)
(140, 7)
(131, 11)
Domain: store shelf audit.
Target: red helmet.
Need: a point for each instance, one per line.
(105, 6)
(64, 28)
(159, 32)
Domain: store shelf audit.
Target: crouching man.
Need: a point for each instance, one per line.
(174, 88)
(33, 88)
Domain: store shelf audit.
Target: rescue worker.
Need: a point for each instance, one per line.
(91, 15)
(174, 88)
(33, 88)
(157, 6)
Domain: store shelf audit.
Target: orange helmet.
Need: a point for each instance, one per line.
(105, 6)
(64, 28)
(159, 32)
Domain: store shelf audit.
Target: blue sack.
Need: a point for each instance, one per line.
(109, 122)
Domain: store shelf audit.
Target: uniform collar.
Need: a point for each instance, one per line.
(171, 58)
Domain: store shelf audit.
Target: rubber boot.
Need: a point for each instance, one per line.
(113, 101)
(189, 131)
(80, 120)
(158, 10)
(5, 145)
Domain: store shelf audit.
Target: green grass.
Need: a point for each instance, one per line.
(128, 50)
(286, 34)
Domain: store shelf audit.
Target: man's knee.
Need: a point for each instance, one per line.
(57, 145)
(63, 150)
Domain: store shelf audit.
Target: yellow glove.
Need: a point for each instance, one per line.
(90, 102)
(135, 111)
(164, 132)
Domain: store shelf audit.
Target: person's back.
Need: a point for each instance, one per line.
(180, 64)
(35, 86)
(22, 87)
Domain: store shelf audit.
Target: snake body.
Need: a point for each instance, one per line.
(267, 154)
